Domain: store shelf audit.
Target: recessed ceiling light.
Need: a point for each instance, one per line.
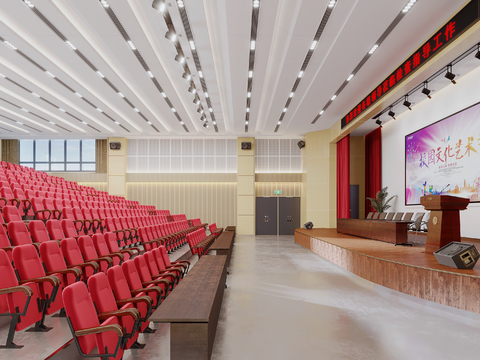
(180, 58)
(29, 111)
(192, 90)
(200, 74)
(333, 97)
(321, 112)
(70, 45)
(214, 122)
(104, 3)
(79, 95)
(256, 3)
(51, 122)
(250, 74)
(372, 50)
(150, 74)
(206, 94)
(99, 110)
(10, 45)
(246, 122)
(314, 45)
(192, 44)
(331, 4)
(180, 3)
(291, 94)
(249, 94)
(248, 110)
(116, 122)
(164, 95)
(2, 75)
(49, 74)
(285, 109)
(159, 5)
(29, 4)
(35, 94)
(62, 110)
(279, 123)
(130, 43)
(100, 74)
(300, 74)
(84, 122)
(170, 34)
(350, 77)
(149, 123)
(121, 94)
(252, 45)
(135, 109)
(210, 109)
(173, 109)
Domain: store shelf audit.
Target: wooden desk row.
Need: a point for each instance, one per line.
(394, 232)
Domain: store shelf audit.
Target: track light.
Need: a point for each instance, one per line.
(196, 101)
(187, 76)
(170, 34)
(379, 122)
(199, 110)
(477, 55)
(192, 89)
(391, 113)
(426, 91)
(407, 103)
(205, 125)
(450, 75)
(180, 58)
(203, 118)
(159, 5)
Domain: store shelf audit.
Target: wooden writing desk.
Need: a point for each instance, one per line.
(224, 244)
(394, 232)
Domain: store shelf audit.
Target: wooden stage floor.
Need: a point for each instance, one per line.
(402, 268)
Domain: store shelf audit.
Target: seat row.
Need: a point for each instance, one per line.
(43, 272)
(417, 224)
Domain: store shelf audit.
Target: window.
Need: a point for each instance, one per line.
(58, 155)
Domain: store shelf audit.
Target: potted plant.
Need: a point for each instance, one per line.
(380, 203)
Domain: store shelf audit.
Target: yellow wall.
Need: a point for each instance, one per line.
(319, 198)
(245, 188)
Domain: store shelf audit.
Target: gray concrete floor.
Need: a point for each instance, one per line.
(284, 302)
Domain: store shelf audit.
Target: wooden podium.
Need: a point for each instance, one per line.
(444, 223)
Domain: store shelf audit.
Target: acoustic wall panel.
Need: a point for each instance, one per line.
(209, 201)
(277, 156)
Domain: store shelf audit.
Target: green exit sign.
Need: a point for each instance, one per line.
(277, 192)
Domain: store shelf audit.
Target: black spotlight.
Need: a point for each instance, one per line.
(170, 34)
(205, 125)
(187, 76)
(301, 144)
(477, 55)
(407, 103)
(449, 75)
(379, 122)
(392, 114)
(308, 225)
(426, 90)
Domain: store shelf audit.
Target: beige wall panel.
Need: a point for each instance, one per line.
(291, 189)
(209, 201)
(279, 177)
(246, 225)
(246, 205)
(246, 185)
(116, 185)
(246, 165)
(100, 186)
(181, 177)
(117, 165)
(81, 176)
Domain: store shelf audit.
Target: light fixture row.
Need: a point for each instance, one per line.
(308, 56)
(446, 71)
(74, 48)
(365, 58)
(251, 60)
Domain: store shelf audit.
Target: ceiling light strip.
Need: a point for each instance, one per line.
(78, 52)
(188, 31)
(17, 122)
(54, 77)
(366, 57)
(138, 55)
(308, 56)
(251, 60)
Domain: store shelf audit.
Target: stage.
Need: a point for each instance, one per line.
(403, 268)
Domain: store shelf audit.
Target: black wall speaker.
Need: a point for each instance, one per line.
(458, 255)
(301, 144)
(246, 146)
(308, 225)
(115, 146)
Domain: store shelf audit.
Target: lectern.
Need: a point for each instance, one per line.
(444, 223)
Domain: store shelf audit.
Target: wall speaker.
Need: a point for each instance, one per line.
(246, 146)
(458, 255)
(115, 145)
(301, 144)
(308, 225)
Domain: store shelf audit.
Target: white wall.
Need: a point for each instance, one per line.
(445, 102)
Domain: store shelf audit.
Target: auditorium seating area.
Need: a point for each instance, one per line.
(100, 260)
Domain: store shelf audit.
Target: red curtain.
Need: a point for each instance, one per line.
(373, 166)
(343, 178)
